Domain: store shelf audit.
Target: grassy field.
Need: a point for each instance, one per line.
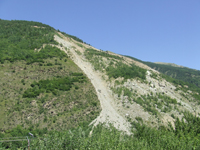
(66, 109)
(41, 87)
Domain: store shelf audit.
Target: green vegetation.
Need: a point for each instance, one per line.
(154, 75)
(45, 93)
(187, 75)
(186, 136)
(62, 83)
(89, 53)
(96, 59)
(41, 87)
(19, 39)
(75, 38)
(78, 52)
(180, 85)
(184, 74)
(153, 104)
(158, 102)
(115, 68)
(178, 76)
(46, 96)
(46, 52)
(125, 71)
(80, 45)
(125, 91)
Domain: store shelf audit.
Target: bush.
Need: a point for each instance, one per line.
(186, 136)
(125, 71)
(89, 53)
(51, 86)
(21, 38)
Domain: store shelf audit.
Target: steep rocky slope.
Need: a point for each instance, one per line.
(152, 99)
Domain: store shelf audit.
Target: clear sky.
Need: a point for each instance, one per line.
(150, 30)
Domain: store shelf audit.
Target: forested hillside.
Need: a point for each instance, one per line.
(19, 39)
(52, 85)
(41, 87)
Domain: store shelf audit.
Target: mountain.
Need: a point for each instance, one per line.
(55, 85)
(41, 87)
(188, 75)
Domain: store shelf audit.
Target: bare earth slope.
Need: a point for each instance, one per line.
(153, 100)
(108, 113)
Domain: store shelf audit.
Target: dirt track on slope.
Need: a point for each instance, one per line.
(108, 113)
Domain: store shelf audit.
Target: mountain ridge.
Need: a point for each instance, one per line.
(172, 64)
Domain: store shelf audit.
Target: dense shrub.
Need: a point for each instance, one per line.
(186, 136)
(125, 71)
(51, 86)
(19, 39)
(44, 53)
(73, 37)
(89, 53)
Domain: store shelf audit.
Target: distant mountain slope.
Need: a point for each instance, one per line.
(185, 74)
(169, 64)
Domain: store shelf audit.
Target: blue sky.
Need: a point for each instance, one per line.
(150, 30)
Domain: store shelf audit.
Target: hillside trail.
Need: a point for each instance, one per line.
(108, 114)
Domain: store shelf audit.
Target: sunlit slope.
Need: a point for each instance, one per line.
(41, 87)
(54, 85)
(53, 80)
(137, 91)
(191, 76)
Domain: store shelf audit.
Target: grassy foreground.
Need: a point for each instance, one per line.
(185, 136)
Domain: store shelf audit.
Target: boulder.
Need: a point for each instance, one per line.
(161, 84)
